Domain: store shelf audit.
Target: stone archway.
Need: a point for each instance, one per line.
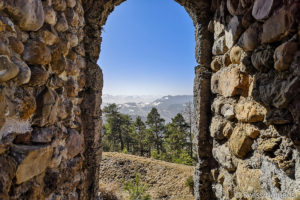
(246, 98)
(96, 16)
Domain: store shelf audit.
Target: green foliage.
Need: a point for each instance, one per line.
(171, 142)
(136, 189)
(190, 183)
(156, 128)
(125, 151)
(184, 158)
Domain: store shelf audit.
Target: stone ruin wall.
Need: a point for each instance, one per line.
(246, 97)
(255, 104)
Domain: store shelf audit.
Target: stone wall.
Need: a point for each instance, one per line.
(255, 122)
(42, 86)
(50, 117)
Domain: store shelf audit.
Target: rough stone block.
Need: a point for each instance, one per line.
(229, 81)
(249, 111)
(32, 161)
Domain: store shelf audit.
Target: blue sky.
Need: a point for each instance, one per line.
(148, 49)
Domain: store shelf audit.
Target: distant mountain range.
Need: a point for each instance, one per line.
(167, 106)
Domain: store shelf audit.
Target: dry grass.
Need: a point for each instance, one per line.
(165, 180)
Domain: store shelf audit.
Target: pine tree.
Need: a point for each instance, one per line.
(156, 128)
(140, 134)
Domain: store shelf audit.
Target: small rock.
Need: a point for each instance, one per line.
(227, 130)
(249, 111)
(47, 104)
(50, 16)
(59, 65)
(284, 55)
(26, 104)
(49, 38)
(227, 111)
(239, 144)
(80, 62)
(72, 88)
(218, 29)
(269, 144)
(42, 135)
(28, 14)
(250, 39)
(72, 18)
(39, 76)
(33, 160)
(235, 54)
(4, 47)
(216, 64)
(224, 157)
(24, 71)
(16, 45)
(36, 53)
(262, 58)
(226, 59)
(59, 5)
(233, 31)
(8, 70)
(74, 143)
(216, 127)
(219, 46)
(73, 39)
(62, 24)
(71, 3)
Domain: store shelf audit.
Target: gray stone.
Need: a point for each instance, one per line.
(216, 127)
(262, 9)
(224, 157)
(227, 111)
(219, 46)
(233, 31)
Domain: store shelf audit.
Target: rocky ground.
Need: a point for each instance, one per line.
(165, 180)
